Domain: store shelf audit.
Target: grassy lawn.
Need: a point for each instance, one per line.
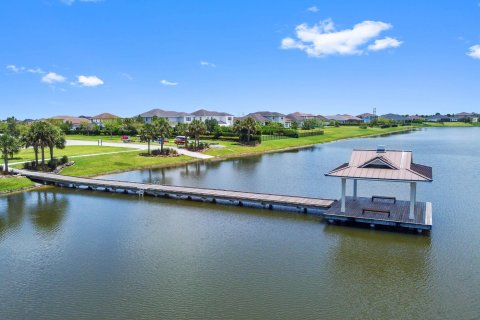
(12, 184)
(27, 154)
(331, 134)
(103, 164)
(450, 124)
(94, 138)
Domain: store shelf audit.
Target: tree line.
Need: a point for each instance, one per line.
(39, 135)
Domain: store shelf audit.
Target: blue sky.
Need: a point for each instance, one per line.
(324, 57)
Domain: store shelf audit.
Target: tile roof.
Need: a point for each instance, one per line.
(270, 114)
(299, 116)
(343, 117)
(363, 115)
(392, 165)
(105, 116)
(163, 114)
(256, 116)
(394, 117)
(206, 113)
(71, 119)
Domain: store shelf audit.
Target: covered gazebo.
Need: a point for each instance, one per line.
(381, 165)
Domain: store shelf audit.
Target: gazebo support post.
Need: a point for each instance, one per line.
(413, 199)
(355, 189)
(344, 191)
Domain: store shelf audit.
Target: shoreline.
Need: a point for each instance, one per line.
(233, 156)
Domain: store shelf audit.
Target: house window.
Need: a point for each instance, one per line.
(229, 118)
(189, 119)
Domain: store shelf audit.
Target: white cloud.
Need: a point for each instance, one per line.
(385, 43)
(126, 76)
(70, 2)
(474, 51)
(322, 39)
(168, 83)
(22, 69)
(207, 64)
(53, 77)
(313, 9)
(89, 81)
(15, 69)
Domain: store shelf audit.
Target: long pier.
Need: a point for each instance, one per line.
(358, 210)
(268, 201)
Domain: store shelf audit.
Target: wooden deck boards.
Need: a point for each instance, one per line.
(180, 190)
(399, 212)
(330, 209)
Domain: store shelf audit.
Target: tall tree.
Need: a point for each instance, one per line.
(211, 124)
(29, 139)
(12, 127)
(195, 129)
(41, 133)
(148, 134)
(55, 139)
(181, 129)
(246, 127)
(9, 144)
(163, 129)
(111, 126)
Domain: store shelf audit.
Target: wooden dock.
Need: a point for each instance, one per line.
(268, 201)
(397, 216)
(382, 212)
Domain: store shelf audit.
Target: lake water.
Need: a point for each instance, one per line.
(91, 255)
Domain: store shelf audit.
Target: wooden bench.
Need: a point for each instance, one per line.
(376, 210)
(384, 198)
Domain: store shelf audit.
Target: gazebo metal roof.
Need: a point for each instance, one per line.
(381, 164)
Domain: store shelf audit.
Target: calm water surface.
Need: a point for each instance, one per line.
(82, 255)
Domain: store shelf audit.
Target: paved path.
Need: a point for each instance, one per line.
(137, 146)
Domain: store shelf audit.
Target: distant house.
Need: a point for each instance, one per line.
(257, 117)
(439, 118)
(367, 117)
(75, 122)
(415, 119)
(300, 117)
(345, 119)
(395, 117)
(223, 118)
(173, 117)
(101, 118)
(466, 117)
(267, 116)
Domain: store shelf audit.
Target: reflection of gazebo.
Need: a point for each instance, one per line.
(382, 165)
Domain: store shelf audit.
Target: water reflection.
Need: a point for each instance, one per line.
(48, 212)
(44, 209)
(12, 215)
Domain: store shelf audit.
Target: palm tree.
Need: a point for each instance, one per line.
(148, 134)
(9, 144)
(181, 129)
(195, 129)
(246, 127)
(39, 136)
(55, 139)
(163, 129)
(29, 139)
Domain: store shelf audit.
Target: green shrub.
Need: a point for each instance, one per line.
(64, 160)
(53, 163)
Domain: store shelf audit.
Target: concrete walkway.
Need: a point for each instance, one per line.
(137, 146)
